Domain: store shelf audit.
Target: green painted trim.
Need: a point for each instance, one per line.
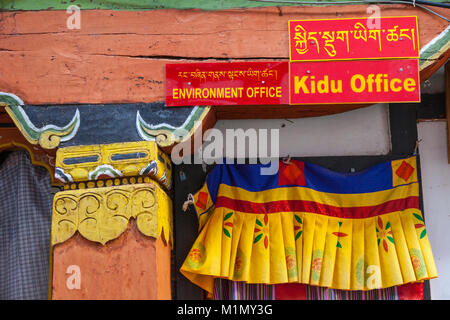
(48, 136)
(22, 122)
(10, 99)
(11, 5)
(164, 134)
(435, 48)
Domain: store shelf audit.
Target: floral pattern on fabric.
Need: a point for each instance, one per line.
(420, 226)
(291, 262)
(196, 256)
(298, 226)
(339, 235)
(227, 225)
(316, 266)
(240, 263)
(262, 231)
(417, 262)
(384, 233)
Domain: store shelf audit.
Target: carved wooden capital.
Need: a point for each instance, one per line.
(95, 162)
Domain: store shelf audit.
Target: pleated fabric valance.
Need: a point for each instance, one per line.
(307, 224)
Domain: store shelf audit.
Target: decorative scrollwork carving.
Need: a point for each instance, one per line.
(102, 214)
(48, 136)
(165, 134)
(117, 202)
(65, 218)
(145, 207)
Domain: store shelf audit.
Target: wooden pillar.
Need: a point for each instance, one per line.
(112, 225)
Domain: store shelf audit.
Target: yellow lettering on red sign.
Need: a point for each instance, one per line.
(226, 93)
(358, 83)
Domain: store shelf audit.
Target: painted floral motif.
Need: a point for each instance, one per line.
(360, 268)
(62, 176)
(239, 264)
(291, 262)
(150, 169)
(418, 263)
(262, 230)
(339, 235)
(420, 225)
(197, 255)
(316, 265)
(104, 171)
(298, 227)
(228, 224)
(384, 233)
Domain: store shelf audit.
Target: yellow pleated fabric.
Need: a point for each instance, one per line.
(348, 254)
(379, 251)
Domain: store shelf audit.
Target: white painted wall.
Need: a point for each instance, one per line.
(436, 197)
(359, 132)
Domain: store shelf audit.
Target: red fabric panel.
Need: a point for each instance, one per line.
(319, 208)
(411, 291)
(297, 291)
(290, 291)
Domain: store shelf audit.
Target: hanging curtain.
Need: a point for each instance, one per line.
(310, 225)
(25, 218)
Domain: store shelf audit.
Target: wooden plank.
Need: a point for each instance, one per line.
(447, 103)
(244, 33)
(119, 56)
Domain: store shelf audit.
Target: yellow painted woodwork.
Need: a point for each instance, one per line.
(102, 214)
(83, 163)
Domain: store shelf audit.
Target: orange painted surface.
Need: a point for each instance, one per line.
(119, 56)
(132, 266)
(162, 266)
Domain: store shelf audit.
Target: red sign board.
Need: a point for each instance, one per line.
(335, 82)
(353, 39)
(237, 83)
